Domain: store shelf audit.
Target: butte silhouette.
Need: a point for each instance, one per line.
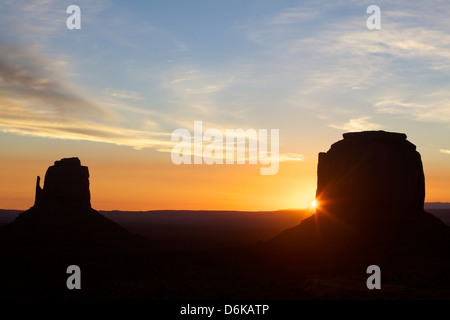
(62, 212)
(370, 191)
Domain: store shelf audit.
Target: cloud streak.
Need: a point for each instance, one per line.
(125, 94)
(25, 76)
(432, 107)
(36, 100)
(358, 124)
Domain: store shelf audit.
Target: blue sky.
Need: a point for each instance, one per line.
(138, 70)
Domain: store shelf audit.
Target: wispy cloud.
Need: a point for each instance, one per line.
(293, 15)
(291, 157)
(27, 76)
(87, 131)
(37, 100)
(125, 94)
(335, 54)
(40, 21)
(444, 151)
(358, 124)
(432, 107)
(195, 92)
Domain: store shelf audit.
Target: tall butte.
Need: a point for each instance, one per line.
(62, 212)
(370, 193)
(66, 184)
(371, 175)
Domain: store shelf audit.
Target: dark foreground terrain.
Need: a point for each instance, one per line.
(208, 257)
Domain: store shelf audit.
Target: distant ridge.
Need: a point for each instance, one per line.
(8, 216)
(437, 205)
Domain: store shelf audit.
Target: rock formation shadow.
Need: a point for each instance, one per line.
(370, 191)
(62, 213)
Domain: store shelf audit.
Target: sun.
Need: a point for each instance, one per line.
(314, 204)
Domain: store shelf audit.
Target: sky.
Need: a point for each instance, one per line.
(113, 92)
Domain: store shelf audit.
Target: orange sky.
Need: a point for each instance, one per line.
(136, 186)
(125, 179)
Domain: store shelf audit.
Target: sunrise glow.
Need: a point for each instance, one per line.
(113, 95)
